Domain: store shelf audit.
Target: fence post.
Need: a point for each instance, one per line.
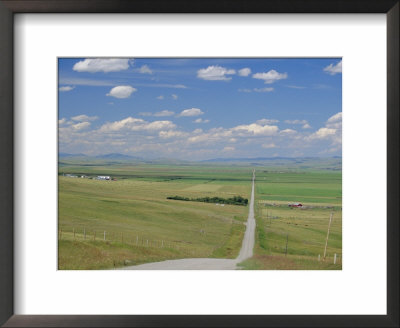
(84, 233)
(147, 243)
(327, 236)
(137, 240)
(334, 259)
(73, 230)
(60, 233)
(162, 243)
(94, 235)
(104, 235)
(319, 257)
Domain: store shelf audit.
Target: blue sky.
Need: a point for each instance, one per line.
(200, 108)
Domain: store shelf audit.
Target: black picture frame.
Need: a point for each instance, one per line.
(10, 7)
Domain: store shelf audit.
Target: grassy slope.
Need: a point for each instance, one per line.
(134, 208)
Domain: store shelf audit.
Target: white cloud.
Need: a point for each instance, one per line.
(323, 133)
(296, 121)
(256, 129)
(121, 91)
(335, 118)
(62, 121)
(288, 131)
(265, 121)
(136, 124)
(269, 145)
(191, 112)
(306, 126)
(101, 65)
(215, 73)
(263, 89)
(156, 125)
(228, 149)
(145, 70)
(81, 118)
(160, 97)
(270, 76)
(80, 126)
(256, 90)
(172, 134)
(200, 120)
(244, 71)
(66, 88)
(174, 96)
(334, 69)
(164, 113)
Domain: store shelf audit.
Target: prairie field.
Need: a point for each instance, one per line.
(129, 220)
(103, 224)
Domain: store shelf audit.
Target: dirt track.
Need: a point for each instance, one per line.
(207, 263)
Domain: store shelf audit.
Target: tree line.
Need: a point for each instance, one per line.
(235, 200)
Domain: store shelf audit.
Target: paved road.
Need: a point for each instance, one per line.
(206, 263)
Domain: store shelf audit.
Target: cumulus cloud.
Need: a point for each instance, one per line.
(62, 121)
(145, 70)
(306, 126)
(174, 96)
(334, 69)
(265, 121)
(80, 126)
(296, 121)
(121, 91)
(256, 129)
(81, 118)
(66, 88)
(270, 76)
(164, 113)
(200, 120)
(215, 73)
(331, 132)
(244, 71)
(101, 65)
(172, 134)
(191, 112)
(288, 131)
(136, 124)
(323, 133)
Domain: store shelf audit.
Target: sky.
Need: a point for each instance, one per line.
(200, 108)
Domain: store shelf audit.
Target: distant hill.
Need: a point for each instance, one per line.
(116, 156)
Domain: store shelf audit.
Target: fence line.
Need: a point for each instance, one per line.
(131, 239)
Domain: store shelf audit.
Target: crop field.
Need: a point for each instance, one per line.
(129, 220)
(106, 224)
(294, 238)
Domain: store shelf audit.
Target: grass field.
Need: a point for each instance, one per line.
(303, 230)
(141, 225)
(107, 224)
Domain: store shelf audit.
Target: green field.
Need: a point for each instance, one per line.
(303, 230)
(141, 224)
(107, 224)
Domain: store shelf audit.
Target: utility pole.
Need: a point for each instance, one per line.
(287, 239)
(327, 236)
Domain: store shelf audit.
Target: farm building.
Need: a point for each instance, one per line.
(295, 205)
(103, 177)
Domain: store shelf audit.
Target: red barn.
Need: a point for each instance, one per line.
(296, 205)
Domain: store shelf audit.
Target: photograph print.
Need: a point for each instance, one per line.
(199, 163)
